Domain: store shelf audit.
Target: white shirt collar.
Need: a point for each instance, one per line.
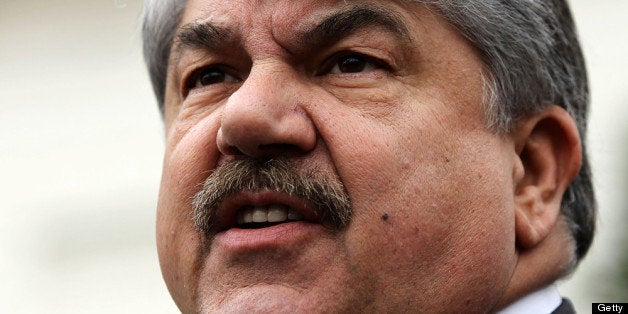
(544, 300)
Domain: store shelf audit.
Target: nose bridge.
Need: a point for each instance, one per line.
(265, 115)
(265, 90)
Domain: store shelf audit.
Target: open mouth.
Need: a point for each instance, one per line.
(263, 219)
(254, 217)
(260, 210)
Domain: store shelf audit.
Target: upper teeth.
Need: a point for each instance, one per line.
(268, 213)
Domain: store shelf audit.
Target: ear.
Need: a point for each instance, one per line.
(549, 149)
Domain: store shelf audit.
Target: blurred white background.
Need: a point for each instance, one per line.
(81, 142)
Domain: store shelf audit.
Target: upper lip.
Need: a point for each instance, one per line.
(226, 217)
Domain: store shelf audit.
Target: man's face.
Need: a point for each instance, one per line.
(380, 101)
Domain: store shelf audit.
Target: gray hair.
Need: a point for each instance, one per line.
(531, 51)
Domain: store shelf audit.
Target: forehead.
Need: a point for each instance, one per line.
(259, 12)
(283, 19)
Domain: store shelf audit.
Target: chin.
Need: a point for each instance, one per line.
(261, 298)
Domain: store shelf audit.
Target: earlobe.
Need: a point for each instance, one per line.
(549, 150)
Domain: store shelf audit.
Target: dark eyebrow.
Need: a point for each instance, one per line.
(202, 36)
(342, 24)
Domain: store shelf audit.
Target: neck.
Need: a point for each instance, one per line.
(540, 266)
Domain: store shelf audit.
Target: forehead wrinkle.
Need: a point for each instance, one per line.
(347, 21)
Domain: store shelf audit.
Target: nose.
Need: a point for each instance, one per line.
(265, 117)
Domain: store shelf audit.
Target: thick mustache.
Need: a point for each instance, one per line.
(324, 192)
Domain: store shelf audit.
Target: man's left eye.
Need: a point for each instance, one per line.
(353, 63)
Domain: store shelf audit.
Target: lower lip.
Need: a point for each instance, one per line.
(284, 234)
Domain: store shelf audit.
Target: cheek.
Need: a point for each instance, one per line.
(447, 217)
(186, 164)
(440, 180)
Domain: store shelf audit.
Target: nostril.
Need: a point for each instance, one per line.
(231, 150)
(279, 149)
(279, 146)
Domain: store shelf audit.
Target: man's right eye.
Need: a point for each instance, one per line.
(209, 76)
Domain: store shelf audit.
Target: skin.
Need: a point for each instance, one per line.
(470, 217)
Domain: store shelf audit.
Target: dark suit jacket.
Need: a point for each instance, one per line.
(564, 308)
